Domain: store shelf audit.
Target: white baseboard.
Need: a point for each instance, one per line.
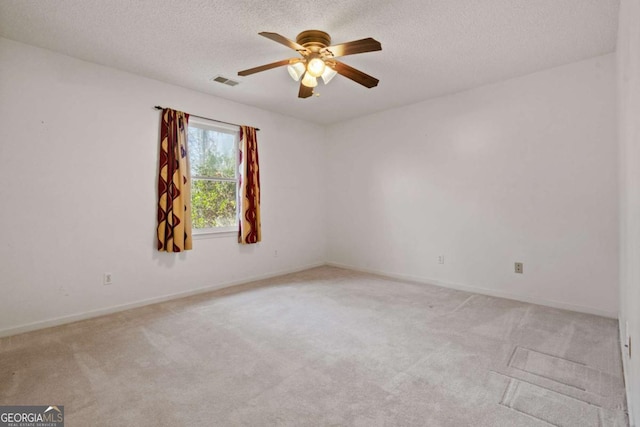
(625, 369)
(480, 290)
(114, 309)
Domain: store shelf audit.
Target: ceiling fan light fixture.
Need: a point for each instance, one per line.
(328, 74)
(296, 70)
(309, 81)
(316, 67)
(318, 59)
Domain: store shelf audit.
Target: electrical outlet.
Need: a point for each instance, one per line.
(519, 268)
(107, 279)
(275, 253)
(440, 259)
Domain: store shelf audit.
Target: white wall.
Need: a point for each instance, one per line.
(523, 170)
(78, 159)
(628, 52)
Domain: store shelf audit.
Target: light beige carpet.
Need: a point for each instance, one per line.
(325, 347)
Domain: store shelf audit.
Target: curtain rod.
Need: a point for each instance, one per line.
(157, 107)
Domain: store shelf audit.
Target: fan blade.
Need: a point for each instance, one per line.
(357, 46)
(355, 75)
(264, 67)
(304, 91)
(283, 40)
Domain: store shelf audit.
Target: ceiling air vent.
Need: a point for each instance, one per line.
(224, 80)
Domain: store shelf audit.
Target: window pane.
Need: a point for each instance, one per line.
(211, 153)
(213, 204)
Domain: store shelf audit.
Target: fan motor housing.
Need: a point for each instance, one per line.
(314, 39)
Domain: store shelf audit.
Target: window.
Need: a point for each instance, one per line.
(213, 157)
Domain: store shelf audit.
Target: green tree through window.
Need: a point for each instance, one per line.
(214, 170)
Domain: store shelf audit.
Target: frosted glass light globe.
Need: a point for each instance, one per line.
(308, 80)
(296, 70)
(315, 67)
(328, 74)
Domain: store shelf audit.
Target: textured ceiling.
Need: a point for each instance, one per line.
(429, 47)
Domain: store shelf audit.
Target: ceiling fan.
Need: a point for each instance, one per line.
(318, 60)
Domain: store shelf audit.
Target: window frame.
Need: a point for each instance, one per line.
(201, 123)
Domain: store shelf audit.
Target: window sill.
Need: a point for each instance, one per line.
(212, 234)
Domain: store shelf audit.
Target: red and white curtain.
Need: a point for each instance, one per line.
(174, 184)
(249, 224)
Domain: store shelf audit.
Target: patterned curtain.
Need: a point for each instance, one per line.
(174, 184)
(249, 230)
